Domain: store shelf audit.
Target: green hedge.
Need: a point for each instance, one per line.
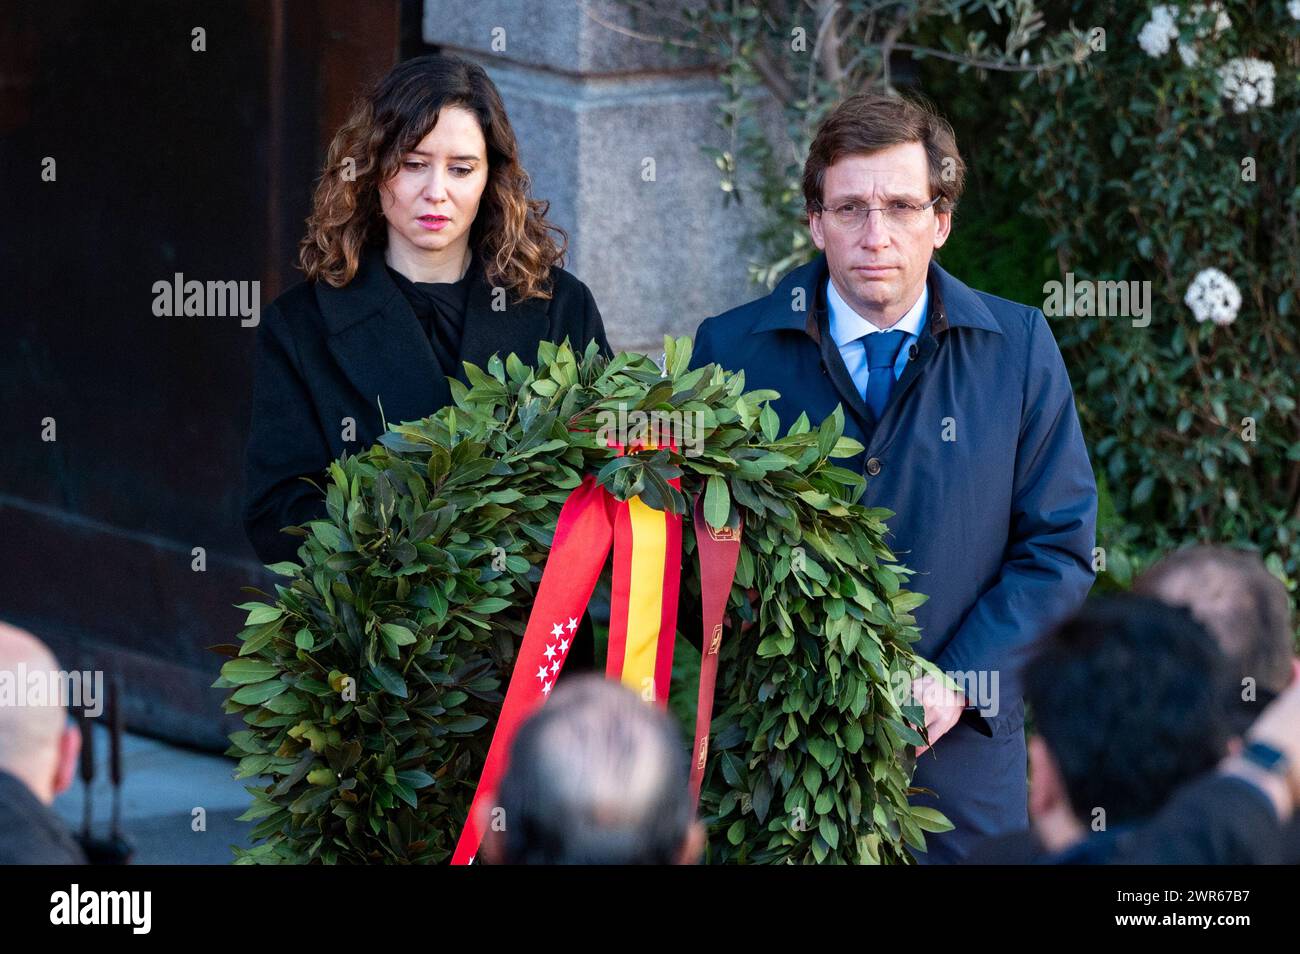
(1143, 167)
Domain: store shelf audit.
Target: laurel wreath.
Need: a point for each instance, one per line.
(370, 682)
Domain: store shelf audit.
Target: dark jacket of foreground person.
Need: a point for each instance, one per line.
(30, 833)
(1215, 820)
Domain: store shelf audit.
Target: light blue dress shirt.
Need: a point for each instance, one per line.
(847, 328)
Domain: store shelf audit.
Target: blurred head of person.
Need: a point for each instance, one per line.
(1129, 702)
(38, 744)
(599, 777)
(1246, 610)
(427, 166)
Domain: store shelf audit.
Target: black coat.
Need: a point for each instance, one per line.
(1215, 819)
(327, 354)
(30, 833)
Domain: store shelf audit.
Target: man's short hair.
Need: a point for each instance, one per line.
(869, 122)
(1130, 697)
(1244, 607)
(597, 776)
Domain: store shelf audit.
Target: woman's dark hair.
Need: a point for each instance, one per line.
(510, 233)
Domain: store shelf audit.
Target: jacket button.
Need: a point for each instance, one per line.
(873, 466)
(911, 351)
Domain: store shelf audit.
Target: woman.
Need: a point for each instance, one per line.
(423, 250)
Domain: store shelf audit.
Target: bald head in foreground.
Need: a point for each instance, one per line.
(38, 755)
(597, 776)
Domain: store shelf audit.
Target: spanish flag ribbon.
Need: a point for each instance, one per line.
(643, 619)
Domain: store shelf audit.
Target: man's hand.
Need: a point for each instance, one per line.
(943, 707)
(1278, 726)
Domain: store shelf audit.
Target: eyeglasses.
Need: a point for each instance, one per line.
(852, 216)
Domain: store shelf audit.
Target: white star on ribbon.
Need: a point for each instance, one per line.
(564, 645)
(546, 689)
(541, 673)
(557, 629)
(555, 666)
(573, 624)
(550, 651)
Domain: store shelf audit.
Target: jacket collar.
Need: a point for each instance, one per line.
(381, 346)
(956, 305)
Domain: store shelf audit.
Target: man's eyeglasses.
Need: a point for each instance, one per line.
(852, 216)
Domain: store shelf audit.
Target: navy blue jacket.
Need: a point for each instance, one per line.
(980, 455)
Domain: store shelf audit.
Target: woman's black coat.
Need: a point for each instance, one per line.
(326, 355)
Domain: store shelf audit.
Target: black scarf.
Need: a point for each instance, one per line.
(440, 306)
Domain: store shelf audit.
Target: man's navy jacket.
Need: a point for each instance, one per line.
(980, 456)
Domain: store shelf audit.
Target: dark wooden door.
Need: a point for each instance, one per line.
(166, 160)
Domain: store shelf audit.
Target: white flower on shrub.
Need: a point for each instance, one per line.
(1222, 22)
(1213, 296)
(1248, 82)
(1221, 19)
(1156, 34)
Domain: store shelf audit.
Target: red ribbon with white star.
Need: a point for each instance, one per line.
(584, 533)
(590, 522)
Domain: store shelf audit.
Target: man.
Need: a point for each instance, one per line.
(1129, 699)
(597, 776)
(1244, 608)
(1247, 611)
(964, 408)
(1237, 815)
(38, 760)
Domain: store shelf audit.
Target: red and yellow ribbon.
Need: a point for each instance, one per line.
(643, 618)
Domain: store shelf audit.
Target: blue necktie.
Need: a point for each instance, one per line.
(882, 351)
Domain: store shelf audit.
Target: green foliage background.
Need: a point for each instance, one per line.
(1134, 167)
